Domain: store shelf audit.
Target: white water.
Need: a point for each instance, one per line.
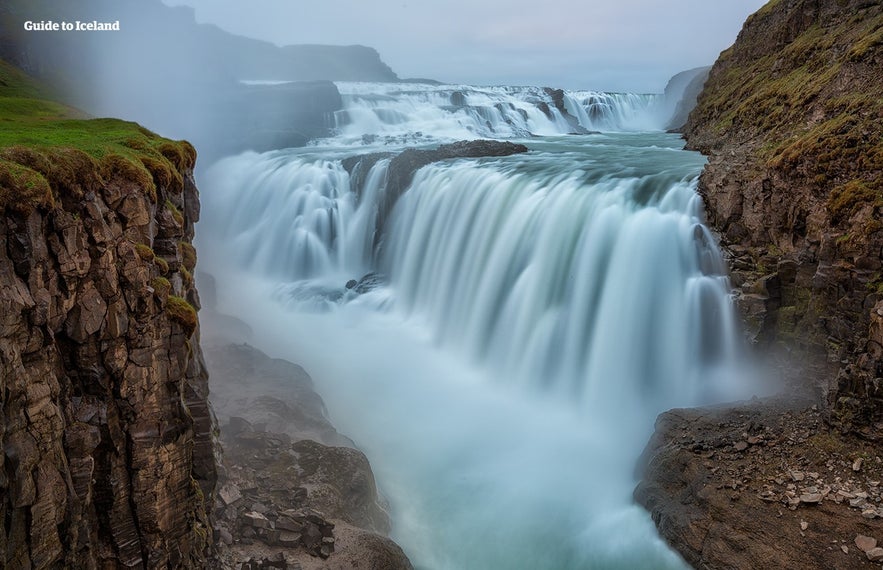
(539, 311)
(408, 113)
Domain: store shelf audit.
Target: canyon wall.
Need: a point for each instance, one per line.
(790, 121)
(104, 422)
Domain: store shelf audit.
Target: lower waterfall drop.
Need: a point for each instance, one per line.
(534, 314)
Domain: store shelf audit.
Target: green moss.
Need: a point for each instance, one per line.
(187, 278)
(145, 252)
(182, 312)
(188, 255)
(810, 108)
(163, 265)
(847, 198)
(55, 141)
(863, 46)
(161, 287)
(16, 83)
(176, 213)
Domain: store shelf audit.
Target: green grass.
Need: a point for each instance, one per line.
(73, 154)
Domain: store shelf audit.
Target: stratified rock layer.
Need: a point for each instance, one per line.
(105, 426)
(790, 121)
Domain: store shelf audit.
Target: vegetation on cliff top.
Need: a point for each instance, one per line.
(811, 107)
(49, 150)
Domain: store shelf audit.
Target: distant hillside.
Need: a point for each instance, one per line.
(154, 35)
(181, 78)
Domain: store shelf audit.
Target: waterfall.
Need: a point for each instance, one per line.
(565, 283)
(414, 113)
(525, 320)
(300, 218)
(616, 111)
(554, 271)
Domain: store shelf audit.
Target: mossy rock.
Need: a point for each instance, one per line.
(145, 252)
(163, 265)
(176, 213)
(161, 287)
(188, 255)
(183, 313)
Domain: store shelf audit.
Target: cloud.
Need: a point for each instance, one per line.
(616, 45)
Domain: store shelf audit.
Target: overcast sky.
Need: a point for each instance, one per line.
(616, 45)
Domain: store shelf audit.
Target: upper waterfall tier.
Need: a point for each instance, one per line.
(395, 113)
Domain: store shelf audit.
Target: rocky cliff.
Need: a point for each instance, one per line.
(790, 121)
(107, 437)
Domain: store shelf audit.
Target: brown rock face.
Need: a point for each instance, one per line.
(106, 431)
(762, 485)
(790, 121)
(292, 486)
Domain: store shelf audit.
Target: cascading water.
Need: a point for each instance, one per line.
(535, 313)
(407, 113)
(615, 111)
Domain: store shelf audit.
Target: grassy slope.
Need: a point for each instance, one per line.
(792, 105)
(49, 151)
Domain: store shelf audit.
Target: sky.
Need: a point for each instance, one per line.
(613, 45)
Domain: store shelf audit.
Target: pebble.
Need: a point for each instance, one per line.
(811, 498)
(857, 464)
(875, 554)
(804, 525)
(797, 476)
(741, 446)
(865, 543)
(844, 548)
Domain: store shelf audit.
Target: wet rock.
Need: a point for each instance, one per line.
(690, 495)
(225, 536)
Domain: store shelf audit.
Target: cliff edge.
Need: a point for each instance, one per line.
(107, 436)
(790, 121)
